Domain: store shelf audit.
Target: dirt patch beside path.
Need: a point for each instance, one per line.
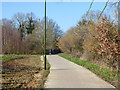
(22, 73)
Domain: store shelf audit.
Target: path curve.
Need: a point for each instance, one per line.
(66, 74)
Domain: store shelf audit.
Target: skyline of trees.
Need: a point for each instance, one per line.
(93, 39)
(84, 37)
(24, 34)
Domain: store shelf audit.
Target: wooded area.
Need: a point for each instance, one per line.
(24, 34)
(93, 39)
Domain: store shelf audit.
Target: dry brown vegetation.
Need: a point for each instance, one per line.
(23, 73)
(24, 34)
(95, 40)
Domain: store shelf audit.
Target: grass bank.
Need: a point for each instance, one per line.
(7, 57)
(102, 72)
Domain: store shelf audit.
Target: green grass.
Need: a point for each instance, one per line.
(102, 72)
(11, 56)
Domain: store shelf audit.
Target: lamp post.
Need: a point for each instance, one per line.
(45, 40)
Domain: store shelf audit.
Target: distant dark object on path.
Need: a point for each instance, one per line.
(55, 51)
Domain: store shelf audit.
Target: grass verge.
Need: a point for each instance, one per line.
(44, 76)
(102, 72)
(12, 56)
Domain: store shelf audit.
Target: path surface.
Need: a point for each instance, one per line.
(65, 74)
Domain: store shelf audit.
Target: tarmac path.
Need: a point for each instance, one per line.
(66, 74)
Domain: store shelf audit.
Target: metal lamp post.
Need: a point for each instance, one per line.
(45, 40)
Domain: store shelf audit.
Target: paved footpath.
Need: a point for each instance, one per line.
(66, 74)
